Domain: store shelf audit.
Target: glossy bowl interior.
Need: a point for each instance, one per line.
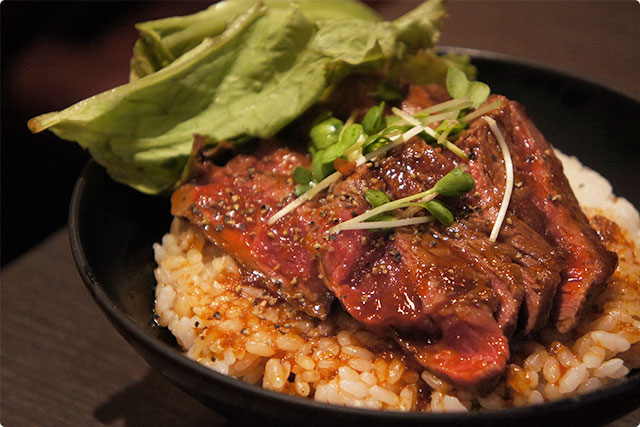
(112, 229)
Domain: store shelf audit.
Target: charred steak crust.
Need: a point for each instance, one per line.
(448, 295)
(587, 263)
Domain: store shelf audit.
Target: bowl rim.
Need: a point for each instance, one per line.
(124, 322)
(539, 66)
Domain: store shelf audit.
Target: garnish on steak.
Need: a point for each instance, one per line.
(448, 295)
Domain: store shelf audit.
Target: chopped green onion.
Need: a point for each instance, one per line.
(458, 86)
(447, 127)
(373, 139)
(349, 122)
(443, 126)
(319, 167)
(406, 116)
(447, 115)
(351, 134)
(348, 138)
(440, 138)
(302, 175)
(455, 183)
(442, 135)
(417, 128)
(376, 145)
(454, 149)
(373, 121)
(458, 127)
(322, 163)
(376, 197)
(392, 143)
(440, 211)
(393, 129)
(326, 133)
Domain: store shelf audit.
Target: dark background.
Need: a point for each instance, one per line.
(53, 55)
(57, 53)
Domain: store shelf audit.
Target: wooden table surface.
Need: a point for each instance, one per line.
(64, 365)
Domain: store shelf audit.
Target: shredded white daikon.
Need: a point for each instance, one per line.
(382, 224)
(306, 196)
(480, 111)
(405, 116)
(508, 188)
(391, 206)
(453, 104)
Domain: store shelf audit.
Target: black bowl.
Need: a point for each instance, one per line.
(113, 227)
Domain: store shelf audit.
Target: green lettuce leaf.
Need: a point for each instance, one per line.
(164, 40)
(261, 72)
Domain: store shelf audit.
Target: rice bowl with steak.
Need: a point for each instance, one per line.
(358, 221)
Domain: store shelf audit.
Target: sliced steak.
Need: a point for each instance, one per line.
(448, 295)
(541, 267)
(543, 199)
(538, 258)
(399, 284)
(232, 204)
(472, 351)
(435, 304)
(588, 263)
(523, 227)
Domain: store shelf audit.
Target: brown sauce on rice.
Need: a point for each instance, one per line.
(243, 332)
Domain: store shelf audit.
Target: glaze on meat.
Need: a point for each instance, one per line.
(447, 295)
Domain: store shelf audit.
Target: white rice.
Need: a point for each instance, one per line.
(240, 331)
(595, 194)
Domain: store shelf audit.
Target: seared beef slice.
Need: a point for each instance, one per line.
(588, 264)
(232, 204)
(543, 199)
